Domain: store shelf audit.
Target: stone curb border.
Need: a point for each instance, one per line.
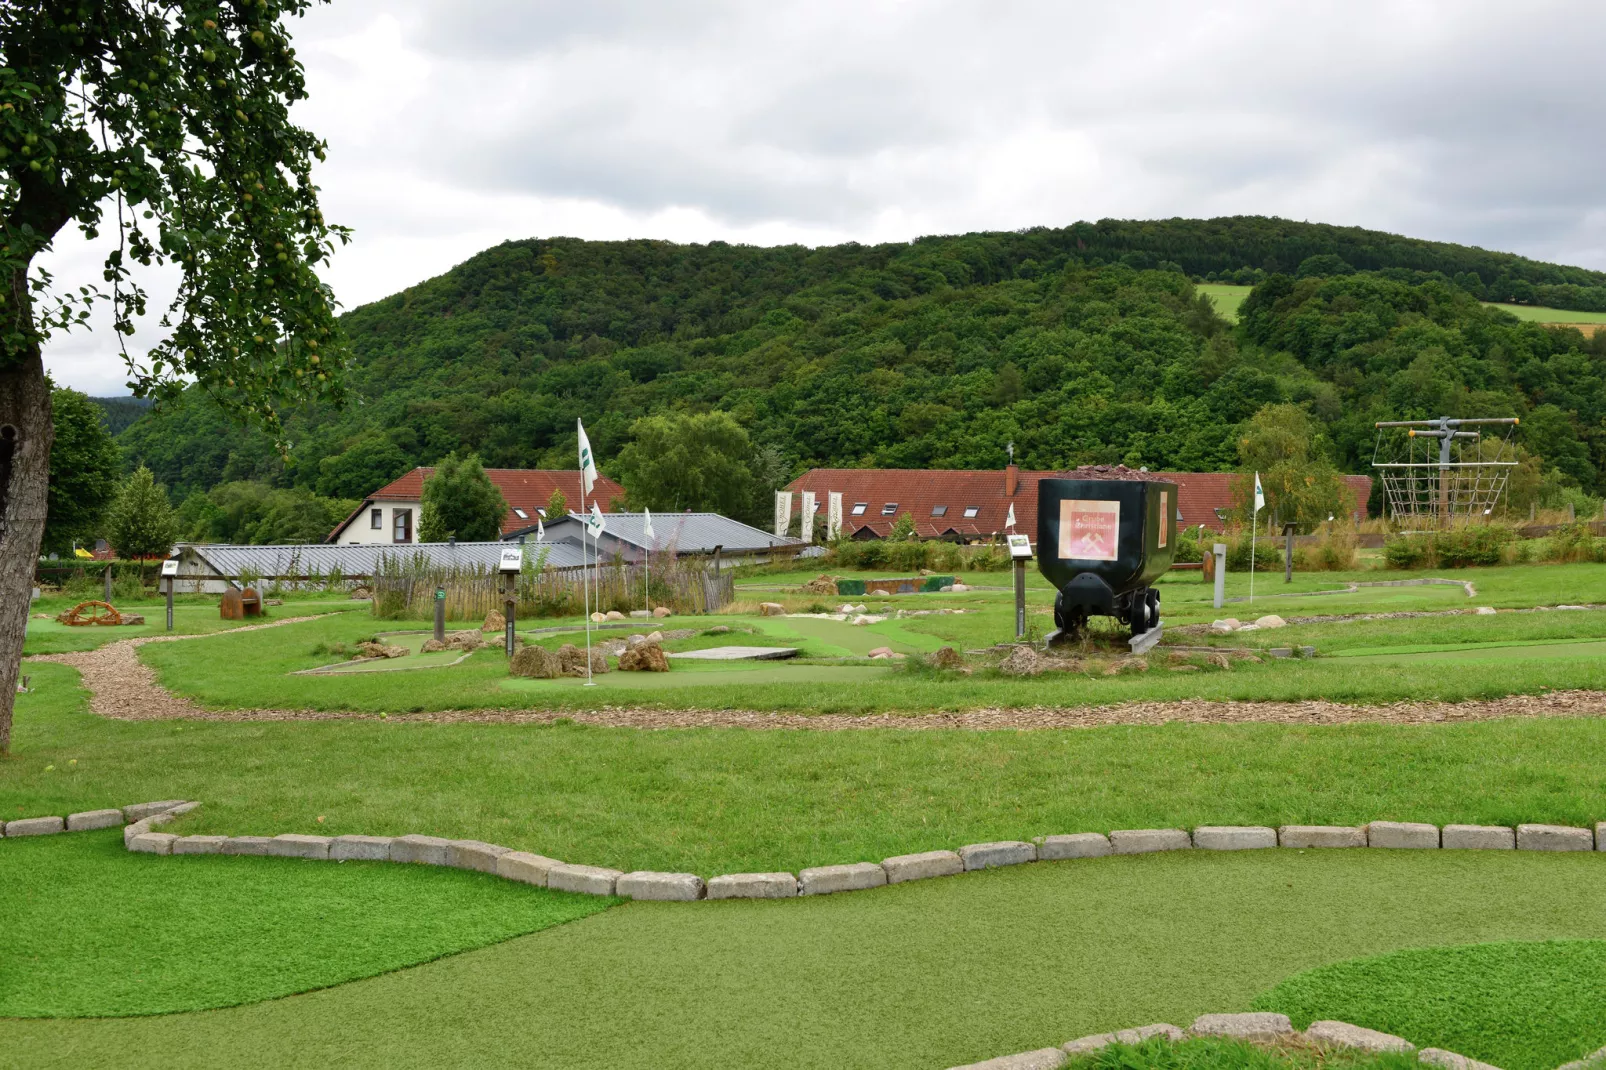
(1251, 1026)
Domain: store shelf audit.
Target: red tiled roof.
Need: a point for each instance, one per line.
(919, 492)
(524, 488)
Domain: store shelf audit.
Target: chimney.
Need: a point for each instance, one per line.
(1011, 479)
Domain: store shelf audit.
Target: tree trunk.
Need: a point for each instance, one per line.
(25, 438)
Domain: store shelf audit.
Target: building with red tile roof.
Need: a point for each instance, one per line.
(967, 505)
(390, 514)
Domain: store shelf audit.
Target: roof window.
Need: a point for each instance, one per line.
(520, 513)
(859, 508)
(971, 511)
(541, 511)
(889, 508)
(939, 510)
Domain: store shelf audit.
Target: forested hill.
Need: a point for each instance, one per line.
(1084, 344)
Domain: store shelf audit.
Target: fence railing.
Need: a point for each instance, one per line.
(407, 591)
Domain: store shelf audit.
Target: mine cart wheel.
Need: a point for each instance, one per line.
(1142, 610)
(1072, 623)
(1154, 607)
(92, 613)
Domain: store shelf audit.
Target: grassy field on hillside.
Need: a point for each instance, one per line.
(920, 975)
(1227, 298)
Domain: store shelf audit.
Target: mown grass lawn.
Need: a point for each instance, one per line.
(190, 617)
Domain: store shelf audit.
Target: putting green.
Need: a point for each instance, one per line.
(839, 638)
(712, 674)
(413, 641)
(1515, 650)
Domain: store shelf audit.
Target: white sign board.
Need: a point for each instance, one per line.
(170, 567)
(1020, 547)
(512, 559)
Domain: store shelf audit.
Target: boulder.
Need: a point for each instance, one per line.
(718, 629)
(433, 646)
(655, 637)
(536, 662)
(644, 657)
(614, 614)
(846, 609)
(494, 622)
(598, 618)
(1021, 661)
(132, 618)
(381, 650)
(465, 640)
(771, 609)
(1486, 611)
(960, 588)
(663, 611)
(573, 661)
(820, 585)
(633, 641)
(639, 613)
(1228, 624)
(881, 652)
(1270, 620)
(945, 658)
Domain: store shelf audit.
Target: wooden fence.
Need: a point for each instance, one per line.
(408, 591)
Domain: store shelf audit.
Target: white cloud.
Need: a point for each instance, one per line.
(454, 126)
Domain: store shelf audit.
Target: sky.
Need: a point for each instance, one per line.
(457, 124)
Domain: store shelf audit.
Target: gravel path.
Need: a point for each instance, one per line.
(124, 688)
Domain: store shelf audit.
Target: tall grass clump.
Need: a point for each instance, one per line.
(1464, 547)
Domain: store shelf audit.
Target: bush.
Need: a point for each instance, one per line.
(1335, 553)
(1403, 551)
(1573, 543)
(1468, 547)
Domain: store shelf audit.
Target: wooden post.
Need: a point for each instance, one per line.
(106, 584)
(1288, 553)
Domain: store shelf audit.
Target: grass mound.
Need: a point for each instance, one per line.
(1211, 1054)
(1519, 1005)
(94, 931)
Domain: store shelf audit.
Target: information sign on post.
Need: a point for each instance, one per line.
(1020, 551)
(512, 561)
(440, 614)
(169, 577)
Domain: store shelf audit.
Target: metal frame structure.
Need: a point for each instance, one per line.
(1464, 480)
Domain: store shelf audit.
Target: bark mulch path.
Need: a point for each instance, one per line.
(124, 688)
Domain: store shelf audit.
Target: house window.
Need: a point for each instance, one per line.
(403, 526)
(889, 508)
(939, 510)
(542, 512)
(376, 519)
(971, 511)
(859, 508)
(520, 513)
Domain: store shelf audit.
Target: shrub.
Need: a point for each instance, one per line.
(1475, 545)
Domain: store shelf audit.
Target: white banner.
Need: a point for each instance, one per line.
(807, 530)
(833, 515)
(783, 512)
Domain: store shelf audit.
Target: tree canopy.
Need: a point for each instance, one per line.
(460, 501)
(84, 471)
(141, 522)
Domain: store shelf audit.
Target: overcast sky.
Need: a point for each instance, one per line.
(457, 124)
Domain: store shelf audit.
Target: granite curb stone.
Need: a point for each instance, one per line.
(674, 887)
(752, 886)
(360, 848)
(1076, 845)
(916, 867)
(1402, 834)
(156, 843)
(294, 845)
(199, 845)
(1321, 836)
(475, 855)
(247, 845)
(526, 867)
(1479, 838)
(1345, 1035)
(1600, 836)
(1234, 837)
(1251, 1025)
(1041, 1059)
(35, 826)
(1146, 841)
(1449, 1060)
(853, 877)
(140, 811)
(86, 820)
(1100, 1041)
(135, 829)
(428, 850)
(1576, 1064)
(999, 853)
(590, 880)
(1554, 838)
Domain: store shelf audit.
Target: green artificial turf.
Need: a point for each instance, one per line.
(93, 930)
(921, 975)
(1207, 1053)
(1521, 1006)
(190, 618)
(729, 800)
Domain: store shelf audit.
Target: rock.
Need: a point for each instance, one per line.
(634, 640)
(945, 658)
(1600, 836)
(1222, 627)
(1249, 627)
(466, 640)
(1486, 611)
(433, 646)
(1076, 845)
(360, 848)
(1449, 1060)
(1321, 836)
(655, 637)
(1402, 834)
(1254, 1025)
(959, 588)
(679, 887)
(1345, 1035)
(1041, 1059)
(718, 629)
(920, 866)
(752, 886)
(1479, 838)
(525, 867)
(572, 660)
(881, 652)
(199, 845)
(536, 663)
(639, 613)
(859, 608)
(35, 826)
(1234, 838)
(474, 854)
(845, 608)
(1184, 668)
(1001, 853)
(1021, 661)
(1270, 620)
(820, 585)
(426, 850)
(381, 650)
(598, 618)
(156, 843)
(1529, 838)
(771, 609)
(663, 611)
(614, 614)
(293, 845)
(644, 657)
(857, 876)
(946, 588)
(1280, 652)
(1100, 1041)
(1220, 661)
(246, 845)
(93, 819)
(1146, 841)
(494, 622)
(587, 880)
(137, 618)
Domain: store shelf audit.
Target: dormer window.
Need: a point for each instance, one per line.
(889, 508)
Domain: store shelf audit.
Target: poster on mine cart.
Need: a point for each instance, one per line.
(1089, 530)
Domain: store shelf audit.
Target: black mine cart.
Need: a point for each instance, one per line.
(1102, 543)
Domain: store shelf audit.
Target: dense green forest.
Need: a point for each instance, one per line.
(1079, 345)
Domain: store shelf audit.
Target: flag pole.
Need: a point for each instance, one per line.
(584, 584)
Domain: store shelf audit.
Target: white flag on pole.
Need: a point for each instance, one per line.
(807, 530)
(1260, 495)
(1009, 521)
(540, 529)
(588, 463)
(783, 512)
(595, 524)
(646, 525)
(833, 515)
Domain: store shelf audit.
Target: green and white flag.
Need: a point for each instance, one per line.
(1260, 495)
(588, 462)
(540, 530)
(595, 524)
(646, 524)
